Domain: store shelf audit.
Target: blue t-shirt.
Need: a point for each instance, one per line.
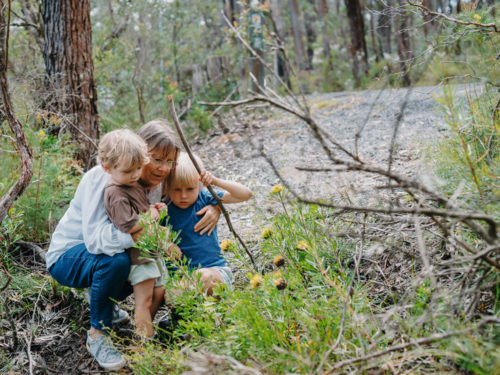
(200, 251)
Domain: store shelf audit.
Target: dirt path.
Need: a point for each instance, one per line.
(291, 143)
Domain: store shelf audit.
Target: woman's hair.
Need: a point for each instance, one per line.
(122, 149)
(160, 138)
(185, 172)
(162, 142)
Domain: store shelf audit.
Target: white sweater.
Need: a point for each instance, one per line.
(86, 221)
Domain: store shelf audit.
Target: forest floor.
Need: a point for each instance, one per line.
(58, 344)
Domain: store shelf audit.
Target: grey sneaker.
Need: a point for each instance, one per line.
(104, 352)
(119, 315)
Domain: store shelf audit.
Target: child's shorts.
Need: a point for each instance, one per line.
(226, 274)
(146, 271)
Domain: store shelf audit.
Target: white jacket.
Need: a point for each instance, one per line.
(86, 221)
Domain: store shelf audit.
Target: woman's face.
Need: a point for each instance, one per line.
(152, 175)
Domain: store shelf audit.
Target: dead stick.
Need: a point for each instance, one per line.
(210, 189)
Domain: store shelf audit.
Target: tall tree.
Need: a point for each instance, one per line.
(309, 20)
(401, 22)
(358, 42)
(297, 34)
(322, 12)
(279, 28)
(69, 69)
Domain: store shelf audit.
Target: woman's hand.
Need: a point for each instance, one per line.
(209, 221)
(206, 178)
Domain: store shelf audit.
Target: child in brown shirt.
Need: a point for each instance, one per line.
(122, 154)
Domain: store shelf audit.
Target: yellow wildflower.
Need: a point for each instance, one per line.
(256, 280)
(278, 261)
(278, 274)
(477, 17)
(266, 233)
(41, 135)
(276, 189)
(302, 245)
(225, 245)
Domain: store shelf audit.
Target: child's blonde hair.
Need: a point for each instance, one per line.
(122, 149)
(185, 172)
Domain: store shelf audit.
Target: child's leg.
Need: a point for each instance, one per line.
(158, 299)
(143, 293)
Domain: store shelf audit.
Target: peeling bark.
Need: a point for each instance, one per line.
(69, 69)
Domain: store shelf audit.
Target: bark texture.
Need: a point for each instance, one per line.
(279, 28)
(22, 145)
(69, 71)
(297, 34)
(404, 48)
(358, 42)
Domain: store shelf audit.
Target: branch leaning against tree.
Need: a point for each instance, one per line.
(22, 144)
(210, 189)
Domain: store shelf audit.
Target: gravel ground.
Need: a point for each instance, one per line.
(290, 143)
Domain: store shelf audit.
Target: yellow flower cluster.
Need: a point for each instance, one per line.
(41, 135)
(225, 245)
(276, 189)
(266, 233)
(302, 245)
(477, 17)
(256, 280)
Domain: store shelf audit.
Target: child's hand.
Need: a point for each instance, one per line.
(160, 206)
(207, 178)
(154, 213)
(175, 252)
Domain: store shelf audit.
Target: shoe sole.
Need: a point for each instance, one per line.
(112, 366)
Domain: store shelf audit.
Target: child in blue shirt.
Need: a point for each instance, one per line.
(187, 197)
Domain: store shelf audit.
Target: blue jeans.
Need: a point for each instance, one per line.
(105, 275)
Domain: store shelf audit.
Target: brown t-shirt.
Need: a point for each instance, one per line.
(123, 204)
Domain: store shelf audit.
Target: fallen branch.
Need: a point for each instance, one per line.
(210, 189)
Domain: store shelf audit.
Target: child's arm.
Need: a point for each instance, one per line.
(235, 192)
(154, 214)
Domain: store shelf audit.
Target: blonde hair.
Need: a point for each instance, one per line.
(185, 172)
(122, 149)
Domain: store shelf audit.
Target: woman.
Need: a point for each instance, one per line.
(87, 250)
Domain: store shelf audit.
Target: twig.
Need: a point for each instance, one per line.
(444, 16)
(417, 343)
(210, 189)
(225, 100)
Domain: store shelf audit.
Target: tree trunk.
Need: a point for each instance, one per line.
(323, 10)
(459, 6)
(69, 69)
(427, 18)
(279, 28)
(385, 30)
(358, 43)
(376, 51)
(297, 34)
(404, 48)
(310, 33)
(21, 143)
